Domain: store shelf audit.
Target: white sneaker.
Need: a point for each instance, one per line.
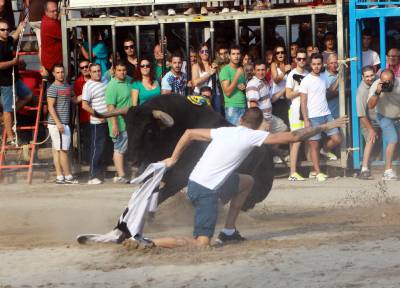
(171, 12)
(203, 11)
(94, 181)
(328, 155)
(277, 160)
(157, 13)
(389, 175)
(120, 180)
(225, 10)
(233, 10)
(189, 11)
(114, 236)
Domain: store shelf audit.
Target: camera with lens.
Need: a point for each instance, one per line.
(387, 86)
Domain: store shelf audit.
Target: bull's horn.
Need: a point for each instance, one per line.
(112, 113)
(165, 118)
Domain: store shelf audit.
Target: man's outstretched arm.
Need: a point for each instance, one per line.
(305, 133)
(187, 137)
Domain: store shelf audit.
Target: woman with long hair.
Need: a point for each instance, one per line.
(144, 87)
(203, 70)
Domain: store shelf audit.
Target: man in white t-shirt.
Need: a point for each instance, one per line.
(292, 93)
(94, 99)
(369, 57)
(315, 111)
(214, 175)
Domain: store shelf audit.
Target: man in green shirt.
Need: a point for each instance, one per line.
(233, 85)
(118, 95)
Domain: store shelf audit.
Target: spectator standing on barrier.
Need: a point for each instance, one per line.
(369, 56)
(329, 43)
(332, 92)
(36, 10)
(292, 93)
(315, 111)
(7, 62)
(84, 116)
(50, 34)
(203, 70)
(279, 71)
(367, 118)
(131, 59)
(233, 85)
(384, 94)
(175, 81)
(145, 87)
(118, 95)
(99, 50)
(59, 97)
(94, 99)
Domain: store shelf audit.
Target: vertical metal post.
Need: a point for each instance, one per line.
(341, 77)
(187, 43)
(382, 40)
(262, 32)
(237, 31)
(163, 47)
(212, 40)
(288, 34)
(114, 44)
(89, 36)
(313, 29)
(64, 40)
(137, 30)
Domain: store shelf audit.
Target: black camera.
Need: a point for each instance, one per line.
(298, 78)
(387, 86)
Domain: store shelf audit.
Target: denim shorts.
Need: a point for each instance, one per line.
(6, 93)
(121, 142)
(233, 114)
(316, 121)
(390, 128)
(205, 202)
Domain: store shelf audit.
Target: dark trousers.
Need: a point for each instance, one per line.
(99, 134)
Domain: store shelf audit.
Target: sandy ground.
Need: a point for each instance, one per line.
(342, 233)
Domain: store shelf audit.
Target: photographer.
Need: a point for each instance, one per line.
(384, 94)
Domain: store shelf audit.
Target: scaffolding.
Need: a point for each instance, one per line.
(211, 21)
(358, 12)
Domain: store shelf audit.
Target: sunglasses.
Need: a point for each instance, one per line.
(203, 51)
(129, 47)
(279, 52)
(84, 67)
(145, 66)
(301, 59)
(5, 29)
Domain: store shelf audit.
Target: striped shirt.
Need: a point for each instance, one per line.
(93, 92)
(259, 91)
(62, 95)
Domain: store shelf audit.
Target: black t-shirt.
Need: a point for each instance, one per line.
(130, 68)
(6, 54)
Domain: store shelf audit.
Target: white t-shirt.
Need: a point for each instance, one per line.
(370, 57)
(315, 88)
(227, 150)
(295, 86)
(94, 93)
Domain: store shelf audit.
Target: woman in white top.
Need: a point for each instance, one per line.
(279, 71)
(203, 70)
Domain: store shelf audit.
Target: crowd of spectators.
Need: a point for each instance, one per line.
(294, 89)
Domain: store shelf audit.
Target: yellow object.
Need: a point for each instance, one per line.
(198, 100)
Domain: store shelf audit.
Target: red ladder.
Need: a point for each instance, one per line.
(32, 145)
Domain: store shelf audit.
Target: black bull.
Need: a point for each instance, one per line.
(151, 139)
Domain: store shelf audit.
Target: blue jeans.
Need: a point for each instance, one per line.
(121, 142)
(233, 114)
(205, 202)
(390, 128)
(315, 121)
(99, 134)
